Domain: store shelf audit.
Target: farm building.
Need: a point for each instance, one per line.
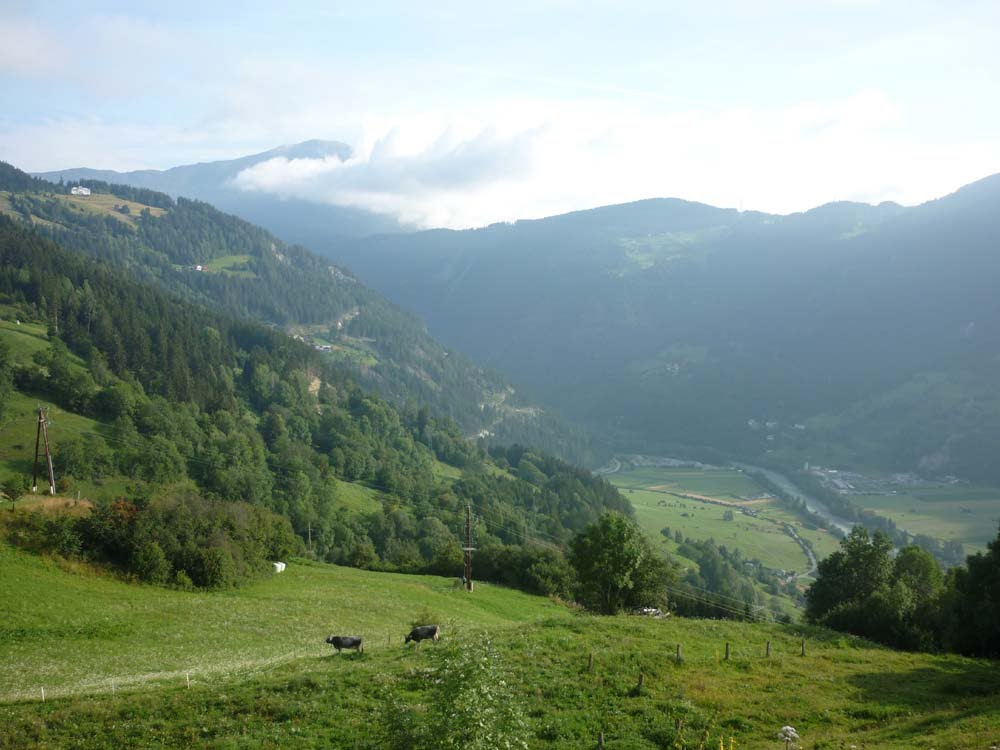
(79, 191)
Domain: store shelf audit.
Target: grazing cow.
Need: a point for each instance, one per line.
(346, 641)
(422, 633)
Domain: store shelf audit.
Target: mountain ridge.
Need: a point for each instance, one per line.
(665, 312)
(293, 219)
(200, 253)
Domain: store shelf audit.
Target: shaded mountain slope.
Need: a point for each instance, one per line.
(245, 271)
(665, 323)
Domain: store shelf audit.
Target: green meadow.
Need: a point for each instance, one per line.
(116, 660)
(139, 635)
(724, 484)
(656, 495)
(754, 537)
(104, 204)
(24, 339)
(232, 265)
(963, 512)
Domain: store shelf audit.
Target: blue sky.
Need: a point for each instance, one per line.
(465, 113)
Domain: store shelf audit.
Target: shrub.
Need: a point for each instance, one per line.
(471, 706)
(150, 564)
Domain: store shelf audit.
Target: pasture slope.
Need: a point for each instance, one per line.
(261, 676)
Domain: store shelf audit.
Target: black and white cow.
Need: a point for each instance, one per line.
(346, 641)
(423, 633)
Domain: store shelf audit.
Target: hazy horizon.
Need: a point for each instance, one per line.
(462, 117)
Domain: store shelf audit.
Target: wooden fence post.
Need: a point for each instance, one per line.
(600, 740)
(767, 653)
(678, 657)
(803, 646)
(727, 650)
(590, 662)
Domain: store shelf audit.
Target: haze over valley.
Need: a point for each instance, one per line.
(526, 377)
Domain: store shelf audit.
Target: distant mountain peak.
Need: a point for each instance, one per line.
(312, 149)
(296, 220)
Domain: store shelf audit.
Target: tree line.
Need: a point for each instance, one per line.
(240, 413)
(905, 601)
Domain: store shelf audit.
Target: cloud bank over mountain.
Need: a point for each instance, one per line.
(521, 110)
(532, 159)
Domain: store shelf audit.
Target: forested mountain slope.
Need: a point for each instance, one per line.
(194, 250)
(851, 334)
(184, 399)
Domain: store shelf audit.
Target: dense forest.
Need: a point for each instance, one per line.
(238, 413)
(904, 600)
(248, 273)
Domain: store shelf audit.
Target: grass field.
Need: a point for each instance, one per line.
(262, 678)
(139, 635)
(20, 425)
(966, 513)
(104, 204)
(231, 265)
(755, 538)
(352, 352)
(25, 339)
(724, 484)
(357, 497)
(654, 493)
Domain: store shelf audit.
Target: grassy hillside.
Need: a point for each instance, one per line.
(145, 635)
(261, 676)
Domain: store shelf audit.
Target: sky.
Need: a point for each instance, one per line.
(462, 113)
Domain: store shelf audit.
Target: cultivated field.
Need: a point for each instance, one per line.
(963, 512)
(687, 500)
(262, 678)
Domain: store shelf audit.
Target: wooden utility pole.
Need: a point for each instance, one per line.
(468, 548)
(42, 435)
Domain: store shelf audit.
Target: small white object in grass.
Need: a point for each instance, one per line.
(788, 734)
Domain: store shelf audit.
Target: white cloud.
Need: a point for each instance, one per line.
(420, 183)
(28, 49)
(438, 142)
(527, 159)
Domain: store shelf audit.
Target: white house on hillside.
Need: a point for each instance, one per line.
(79, 191)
